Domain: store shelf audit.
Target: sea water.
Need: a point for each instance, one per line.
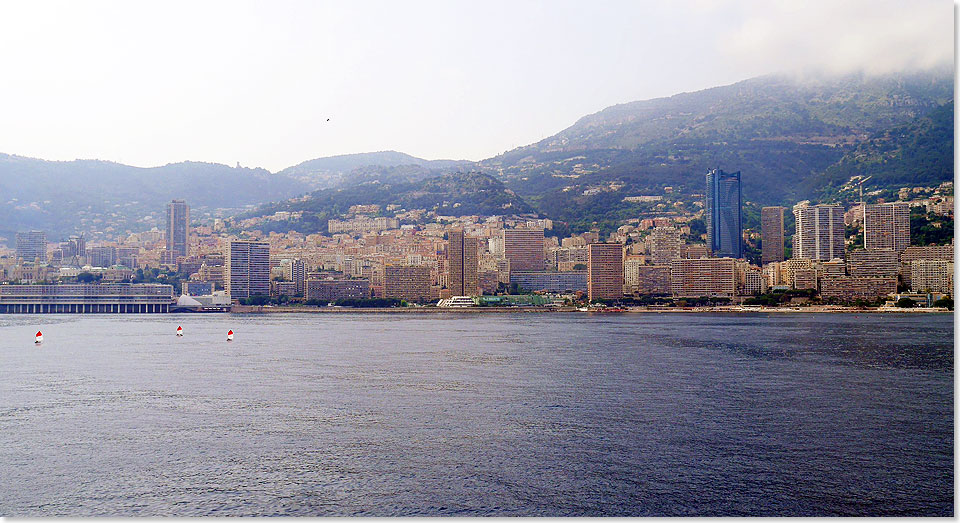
(477, 414)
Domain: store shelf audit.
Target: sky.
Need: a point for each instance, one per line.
(273, 83)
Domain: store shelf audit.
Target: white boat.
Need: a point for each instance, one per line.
(457, 301)
(39, 337)
(179, 330)
(230, 335)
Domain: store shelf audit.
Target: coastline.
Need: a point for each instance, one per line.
(260, 309)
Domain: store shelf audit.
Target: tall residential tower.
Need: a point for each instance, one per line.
(723, 214)
(886, 226)
(464, 262)
(665, 245)
(771, 224)
(605, 271)
(247, 270)
(820, 231)
(524, 249)
(178, 230)
(32, 246)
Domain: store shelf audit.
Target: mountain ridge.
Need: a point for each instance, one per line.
(791, 138)
(452, 193)
(328, 171)
(64, 197)
(779, 131)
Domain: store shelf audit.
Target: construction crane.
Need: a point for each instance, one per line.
(863, 210)
(860, 183)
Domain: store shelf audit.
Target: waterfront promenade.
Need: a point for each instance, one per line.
(264, 309)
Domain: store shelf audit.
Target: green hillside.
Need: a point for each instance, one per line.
(62, 198)
(919, 152)
(330, 171)
(791, 138)
(451, 194)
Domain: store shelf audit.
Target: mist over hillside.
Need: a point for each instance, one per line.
(791, 137)
(788, 136)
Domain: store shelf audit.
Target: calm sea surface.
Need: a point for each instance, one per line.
(470, 414)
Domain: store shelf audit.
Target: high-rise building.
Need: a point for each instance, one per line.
(464, 262)
(298, 274)
(820, 231)
(32, 246)
(605, 271)
(247, 271)
(524, 249)
(771, 224)
(407, 283)
(178, 230)
(723, 214)
(664, 245)
(886, 226)
(704, 277)
(188, 265)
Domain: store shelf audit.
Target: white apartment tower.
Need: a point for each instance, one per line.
(820, 231)
(247, 271)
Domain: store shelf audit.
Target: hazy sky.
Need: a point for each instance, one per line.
(255, 82)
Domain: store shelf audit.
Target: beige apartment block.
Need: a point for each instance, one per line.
(605, 271)
(704, 277)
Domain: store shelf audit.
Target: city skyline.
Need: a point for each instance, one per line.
(497, 255)
(445, 258)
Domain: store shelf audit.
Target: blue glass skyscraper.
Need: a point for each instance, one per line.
(723, 214)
